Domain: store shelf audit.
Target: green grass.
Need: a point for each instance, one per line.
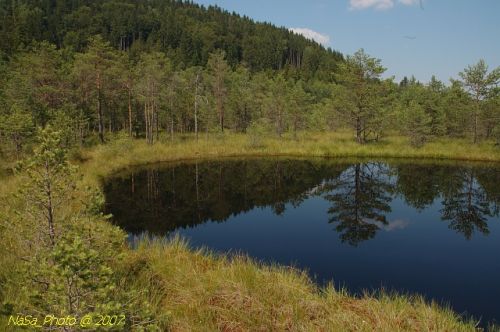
(120, 154)
(201, 291)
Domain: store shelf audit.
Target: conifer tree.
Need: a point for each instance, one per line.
(360, 74)
(479, 83)
(94, 75)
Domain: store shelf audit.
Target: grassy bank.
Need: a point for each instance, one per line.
(204, 292)
(104, 160)
(200, 291)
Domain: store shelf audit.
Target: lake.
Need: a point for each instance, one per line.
(412, 226)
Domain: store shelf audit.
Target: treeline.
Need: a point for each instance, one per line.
(114, 74)
(104, 90)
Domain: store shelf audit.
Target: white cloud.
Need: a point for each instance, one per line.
(396, 224)
(409, 2)
(389, 226)
(311, 34)
(379, 4)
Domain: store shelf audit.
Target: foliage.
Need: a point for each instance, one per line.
(18, 126)
(257, 132)
(94, 74)
(417, 124)
(67, 259)
(360, 74)
(77, 278)
(145, 93)
(49, 185)
(480, 84)
(185, 31)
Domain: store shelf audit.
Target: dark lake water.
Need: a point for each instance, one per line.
(413, 227)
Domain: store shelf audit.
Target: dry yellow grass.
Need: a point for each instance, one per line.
(205, 292)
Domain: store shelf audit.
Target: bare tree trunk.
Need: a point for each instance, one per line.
(50, 207)
(279, 126)
(172, 128)
(146, 124)
(476, 110)
(99, 109)
(196, 105)
(196, 118)
(220, 100)
(156, 120)
(358, 130)
(129, 113)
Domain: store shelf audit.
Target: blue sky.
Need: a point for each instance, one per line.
(441, 37)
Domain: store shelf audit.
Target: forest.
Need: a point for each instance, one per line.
(158, 69)
(91, 87)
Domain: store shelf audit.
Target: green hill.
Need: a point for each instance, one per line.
(185, 31)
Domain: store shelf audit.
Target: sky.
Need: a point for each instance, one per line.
(411, 37)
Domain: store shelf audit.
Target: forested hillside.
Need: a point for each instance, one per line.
(186, 32)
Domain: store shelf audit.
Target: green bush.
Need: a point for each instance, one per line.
(257, 132)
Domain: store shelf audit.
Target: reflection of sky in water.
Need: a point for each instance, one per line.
(410, 250)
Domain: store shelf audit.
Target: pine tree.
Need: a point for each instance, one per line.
(94, 76)
(479, 84)
(360, 74)
(49, 185)
(153, 72)
(417, 123)
(218, 68)
(18, 125)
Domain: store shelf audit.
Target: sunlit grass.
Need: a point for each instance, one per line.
(102, 161)
(202, 291)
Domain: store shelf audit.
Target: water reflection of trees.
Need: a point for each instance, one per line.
(190, 194)
(465, 203)
(469, 195)
(360, 199)
(360, 194)
(418, 184)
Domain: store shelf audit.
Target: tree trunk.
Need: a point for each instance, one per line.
(156, 121)
(99, 109)
(476, 120)
(220, 102)
(196, 118)
(129, 113)
(172, 128)
(146, 124)
(196, 106)
(50, 208)
(358, 130)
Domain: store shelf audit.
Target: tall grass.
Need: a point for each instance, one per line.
(207, 292)
(101, 161)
